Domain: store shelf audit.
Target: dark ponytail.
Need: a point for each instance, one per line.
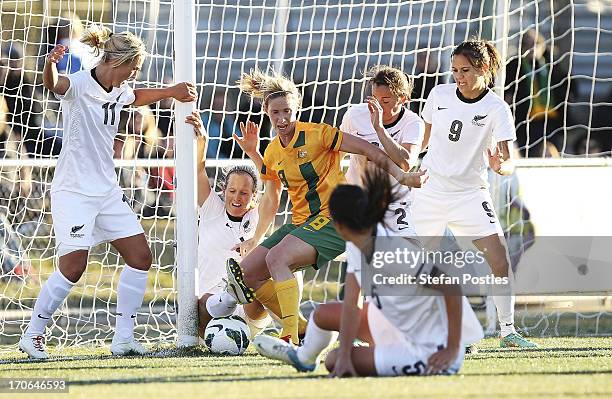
(481, 54)
(363, 208)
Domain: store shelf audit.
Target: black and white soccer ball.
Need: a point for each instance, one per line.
(227, 336)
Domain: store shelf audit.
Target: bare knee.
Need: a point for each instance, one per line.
(73, 265)
(254, 270)
(327, 316)
(275, 259)
(330, 360)
(140, 258)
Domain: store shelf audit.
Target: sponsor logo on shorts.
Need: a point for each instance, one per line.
(74, 232)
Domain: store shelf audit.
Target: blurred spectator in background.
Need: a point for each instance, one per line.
(220, 125)
(424, 80)
(537, 91)
(23, 97)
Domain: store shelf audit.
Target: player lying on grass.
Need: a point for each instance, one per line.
(468, 128)
(225, 223)
(421, 332)
(305, 158)
(87, 205)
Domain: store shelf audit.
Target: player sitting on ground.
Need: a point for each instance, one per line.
(87, 205)
(225, 223)
(418, 333)
(305, 158)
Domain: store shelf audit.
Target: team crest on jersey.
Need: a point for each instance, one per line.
(302, 154)
(477, 120)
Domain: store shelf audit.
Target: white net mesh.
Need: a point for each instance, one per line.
(562, 97)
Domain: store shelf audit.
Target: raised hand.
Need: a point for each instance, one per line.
(376, 112)
(249, 142)
(198, 127)
(184, 92)
(57, 53)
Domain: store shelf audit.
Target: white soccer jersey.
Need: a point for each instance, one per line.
(421, 314)
(409, 128)
(90, 120)
(217, 235)
(461, 132)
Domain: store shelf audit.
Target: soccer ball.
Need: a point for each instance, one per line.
(227, 336)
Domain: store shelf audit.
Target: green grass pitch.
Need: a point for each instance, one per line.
(562, 367)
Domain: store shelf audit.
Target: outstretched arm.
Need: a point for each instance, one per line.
(51, 78)
(268, 207)
(183, 92)
(355, 145)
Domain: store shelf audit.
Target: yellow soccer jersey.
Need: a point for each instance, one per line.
(309, 168)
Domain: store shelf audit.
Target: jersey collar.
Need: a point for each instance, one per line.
(93, 75)
(471, 100)
(399, 117)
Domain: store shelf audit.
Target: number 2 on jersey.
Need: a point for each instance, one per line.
(455, 130)
(109, 110)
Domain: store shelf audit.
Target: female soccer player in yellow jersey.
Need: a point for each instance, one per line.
(305, 158)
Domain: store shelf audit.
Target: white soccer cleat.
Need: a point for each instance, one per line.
(132, 347)
(272, 347)
(34, 347)
(277, 349)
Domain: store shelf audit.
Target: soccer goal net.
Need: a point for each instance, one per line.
(557, 80)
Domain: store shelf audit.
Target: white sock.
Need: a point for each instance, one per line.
(505, 313)
(221, 305)
(51, 296)
(315, 342)
(255, 326)
(505, 306)
(130, 292)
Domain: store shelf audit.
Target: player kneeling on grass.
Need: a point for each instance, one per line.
(225, 223)
(417, 334)
(87, 205)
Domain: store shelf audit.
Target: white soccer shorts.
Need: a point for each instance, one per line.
(394, 355)
(466, 214)
(84, 221)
